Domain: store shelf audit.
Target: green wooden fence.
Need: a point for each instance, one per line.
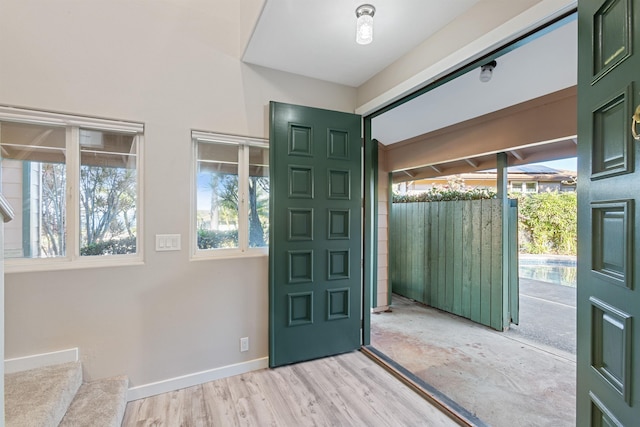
(449, 255)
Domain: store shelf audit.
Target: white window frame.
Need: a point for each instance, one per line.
(522, 187)
(73, 124)
(243, 144)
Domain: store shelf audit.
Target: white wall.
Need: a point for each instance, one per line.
(173, 65)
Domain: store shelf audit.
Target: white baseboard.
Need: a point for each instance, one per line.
(18, 364)
(197, 378)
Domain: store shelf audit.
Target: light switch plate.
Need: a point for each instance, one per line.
(168, 242)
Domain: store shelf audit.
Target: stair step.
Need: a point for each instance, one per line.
(40, 397)
(98, 403)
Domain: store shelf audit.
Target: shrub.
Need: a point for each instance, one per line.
(547, 223)
(210, 239)
(110, 247)
(446, 193)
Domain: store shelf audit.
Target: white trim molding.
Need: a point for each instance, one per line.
(197, 378)
(34, 361)
(22, 115)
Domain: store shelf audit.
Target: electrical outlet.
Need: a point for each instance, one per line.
(244, 344)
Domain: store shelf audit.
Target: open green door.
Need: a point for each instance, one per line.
(315, 286)
(608, 369)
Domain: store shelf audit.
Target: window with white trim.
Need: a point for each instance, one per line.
(231, 195)
(74, 185)
(524, 187)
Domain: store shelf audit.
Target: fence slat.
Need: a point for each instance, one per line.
(456, 242)
(433, 253)
(496, 265)
(485, 267)
(418, 250)
(426, 293)
(476, 261)
(442, 255)
(467, 258)
(449, 256)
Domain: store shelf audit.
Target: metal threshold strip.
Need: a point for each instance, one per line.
(456, 412)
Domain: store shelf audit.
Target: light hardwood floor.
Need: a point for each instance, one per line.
(345, 390)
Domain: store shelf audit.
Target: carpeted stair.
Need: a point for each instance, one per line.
(56, 396)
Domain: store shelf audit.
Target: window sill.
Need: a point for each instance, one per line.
(229, 254)
(37, 265)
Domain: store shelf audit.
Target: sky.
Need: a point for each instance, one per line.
(569, 164)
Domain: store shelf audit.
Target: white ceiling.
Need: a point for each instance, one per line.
(317, 38)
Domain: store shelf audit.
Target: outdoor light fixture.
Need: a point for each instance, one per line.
(486, 71)
(364, 24)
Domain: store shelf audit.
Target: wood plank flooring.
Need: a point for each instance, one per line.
(344, 390)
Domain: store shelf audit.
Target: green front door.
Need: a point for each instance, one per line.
(608, 369)
(315, 287)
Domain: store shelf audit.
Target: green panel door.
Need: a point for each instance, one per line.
(315, 286)
(608, 369)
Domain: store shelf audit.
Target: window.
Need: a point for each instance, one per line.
(524, 187)
(73, 184)
(231, 200)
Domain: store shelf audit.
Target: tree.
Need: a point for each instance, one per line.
(224, 204)
(53, 186)
(227, 190)
(108, 200)
(257, 206)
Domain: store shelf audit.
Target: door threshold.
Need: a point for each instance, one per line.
(456, 412)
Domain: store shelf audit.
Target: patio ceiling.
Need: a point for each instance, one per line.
(517, 156)
(535, 131)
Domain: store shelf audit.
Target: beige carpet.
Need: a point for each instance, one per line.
(55, 396)
(40, 397)
(98, 403)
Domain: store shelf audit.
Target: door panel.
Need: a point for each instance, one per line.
(608, 191)
(315, 285)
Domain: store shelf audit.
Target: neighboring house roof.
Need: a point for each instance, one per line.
(534, 172)
(534, 169)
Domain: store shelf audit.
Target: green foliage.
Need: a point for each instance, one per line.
(446, 193)
(213, 239)
(547, 223)
(126, 245)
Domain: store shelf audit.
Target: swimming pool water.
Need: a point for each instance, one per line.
(564, 275)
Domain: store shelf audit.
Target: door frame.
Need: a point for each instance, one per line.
(370, 191)
(370, 230)
(370, 167)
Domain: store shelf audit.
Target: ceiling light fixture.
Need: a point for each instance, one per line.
(364, 24)
(486, 71)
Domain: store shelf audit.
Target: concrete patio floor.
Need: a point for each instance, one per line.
(522, 377)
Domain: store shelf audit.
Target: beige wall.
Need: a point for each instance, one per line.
(173, 65)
